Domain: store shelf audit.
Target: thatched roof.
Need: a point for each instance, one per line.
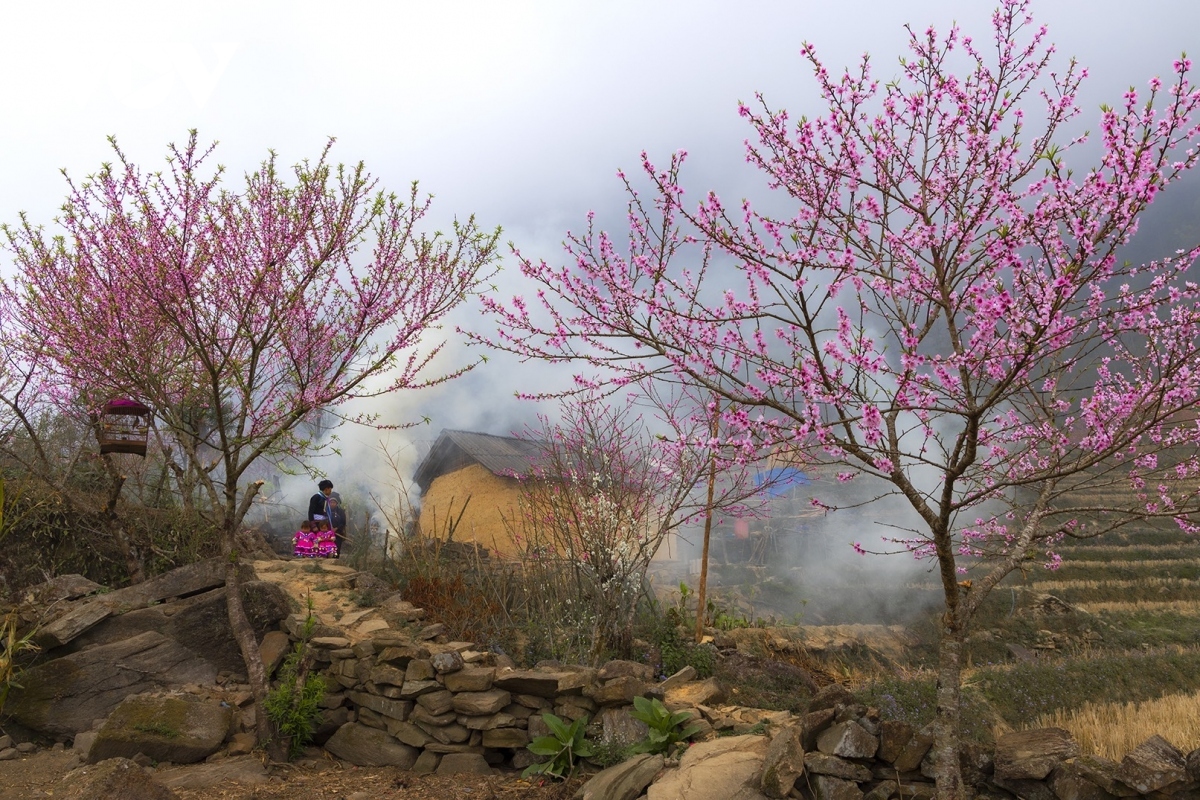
(453, 450)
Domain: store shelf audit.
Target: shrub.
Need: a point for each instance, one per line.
(564, 745)
(666, 729)
(294, 705)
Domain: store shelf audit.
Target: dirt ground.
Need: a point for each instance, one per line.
(37, 775)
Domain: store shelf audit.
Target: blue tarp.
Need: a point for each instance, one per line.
(778, 481)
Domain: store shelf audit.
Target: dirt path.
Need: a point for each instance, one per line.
(35, 776)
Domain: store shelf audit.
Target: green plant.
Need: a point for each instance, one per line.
(294, 705)
(609, 753)
(158, 729)
(13, 646)
(666, 729)
(564, 745)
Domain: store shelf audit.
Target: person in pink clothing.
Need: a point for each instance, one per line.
(304, 541)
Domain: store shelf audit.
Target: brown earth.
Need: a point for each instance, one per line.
(36, 776)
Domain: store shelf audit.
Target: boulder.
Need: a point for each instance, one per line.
(275, 645)
(619, 727)
(464, 764)
(505, 738)
(848, 740)
(827, 787)
(624, 781)
(470, 679)
(543, 683)
(437, 702)
(830, 696)
(71, 624)
(63, 587)
(707, 692)
(893, 736)
(199, 622)
(618, 691)
(451, 661)
(783, 763)
(1032, 754)
(481, 703)
(720, 769)
(396, 709)
(245, 770)
(1155, 765)
(117, 777)
(180, 729)
(825, 764)
(1067, 783)
(426, 763)
(685, 675)
(370, 747)
(618, 668)
(913, 753)
(1102, 772)
(64, 696)
(202, 625)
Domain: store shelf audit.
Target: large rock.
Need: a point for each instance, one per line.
(707, 692)
(81, 618)
(115, 778)
(470, 679)
(848, 740)
(618, 727)
(370, 747)
(199, 622)
(720, 769)
(824, 764)
(1102, 772)
(826, 787)
(1030, 755)
(182, 582)
(783, 763)
(481, 703)
(624, 781)
(180, 729)
(543, 683)
(202, 625)
(66, 695)
(245, 770)
(1067, 783)
(63, 587)
(1156, 765)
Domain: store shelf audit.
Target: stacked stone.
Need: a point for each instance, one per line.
(415, 702)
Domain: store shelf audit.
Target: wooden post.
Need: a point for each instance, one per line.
(702, 591)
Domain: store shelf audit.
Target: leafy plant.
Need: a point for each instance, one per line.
(564, 745)
(294, 705)
(13, 647)
(666, 729)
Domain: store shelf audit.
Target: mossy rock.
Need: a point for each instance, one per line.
(181, 729)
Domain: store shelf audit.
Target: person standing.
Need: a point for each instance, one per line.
(318, 504)
(326, 504)
(337, 521)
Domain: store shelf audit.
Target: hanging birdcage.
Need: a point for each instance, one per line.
(124, 427)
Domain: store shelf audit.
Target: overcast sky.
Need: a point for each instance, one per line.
(519, 112)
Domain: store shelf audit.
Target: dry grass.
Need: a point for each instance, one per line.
(1131, 563)
(1187, 607)
(1114, 729)
(1101, 549)
(1138, 583)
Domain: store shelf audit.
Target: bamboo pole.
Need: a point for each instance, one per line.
(702, 592)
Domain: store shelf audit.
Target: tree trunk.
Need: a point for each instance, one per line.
(947, 768)
(248, 644)
(116, 529)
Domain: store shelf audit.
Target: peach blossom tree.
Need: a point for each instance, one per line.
(237, 312)
(936, 302)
